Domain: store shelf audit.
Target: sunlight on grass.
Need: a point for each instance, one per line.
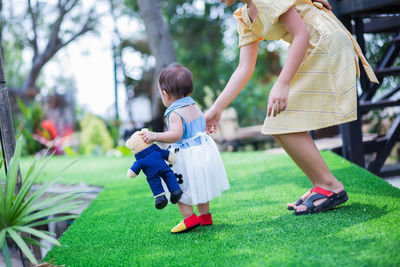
(251, 223)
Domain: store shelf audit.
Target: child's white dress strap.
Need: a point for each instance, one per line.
(189, 140)
(199, 134)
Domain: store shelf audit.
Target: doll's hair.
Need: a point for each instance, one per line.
(176, 80)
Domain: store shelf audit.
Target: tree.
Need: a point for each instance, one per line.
(65, 28)
(199, 33)
(12, 45)
(160, 43)
(188, 36)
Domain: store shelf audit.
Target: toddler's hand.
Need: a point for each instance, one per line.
(212, 116)
(277, 100)
(148, 137)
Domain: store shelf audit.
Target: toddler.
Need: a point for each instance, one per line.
(199, 167)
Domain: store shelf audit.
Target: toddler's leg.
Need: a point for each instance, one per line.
(203, 208)
(204, 214)
(190, 221)
(186, 210)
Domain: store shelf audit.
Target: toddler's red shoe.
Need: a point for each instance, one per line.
(186, 225)
(205, 219)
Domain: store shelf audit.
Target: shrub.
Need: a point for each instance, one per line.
(94, 136)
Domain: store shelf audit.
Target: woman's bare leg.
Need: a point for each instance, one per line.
(306, 172)
(290, 153)
(305, 154)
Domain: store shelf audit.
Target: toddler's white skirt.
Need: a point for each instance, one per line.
(199, 169)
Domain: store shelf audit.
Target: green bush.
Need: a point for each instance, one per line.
(94, 136)
(113, 128)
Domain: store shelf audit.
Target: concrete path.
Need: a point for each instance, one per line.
(395, 181)
(329, 143)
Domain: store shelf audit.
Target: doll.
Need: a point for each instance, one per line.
(151, 159)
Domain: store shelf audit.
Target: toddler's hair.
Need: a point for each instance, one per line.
(176, 80)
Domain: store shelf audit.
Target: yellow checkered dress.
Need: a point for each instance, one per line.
(323, 91)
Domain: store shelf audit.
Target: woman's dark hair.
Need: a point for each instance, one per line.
(176, 80)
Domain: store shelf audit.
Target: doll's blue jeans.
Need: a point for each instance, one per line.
(169, 179)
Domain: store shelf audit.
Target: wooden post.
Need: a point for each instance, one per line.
(6, 124)
(7, 135)
(114, 48)
(353, 147)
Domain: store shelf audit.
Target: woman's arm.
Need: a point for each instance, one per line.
(173, 135)
(239, 78)
(278, 96)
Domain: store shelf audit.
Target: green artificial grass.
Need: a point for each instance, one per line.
(252, 226)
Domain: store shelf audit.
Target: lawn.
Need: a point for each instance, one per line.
(252, 226)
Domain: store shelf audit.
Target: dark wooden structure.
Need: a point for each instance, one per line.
(372, 16)
(7, 137)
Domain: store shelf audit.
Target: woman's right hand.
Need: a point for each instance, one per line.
(213, 115)
(277, 99)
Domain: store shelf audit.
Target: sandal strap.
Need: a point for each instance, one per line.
(324, 192)
(309, 203)
(299, 202)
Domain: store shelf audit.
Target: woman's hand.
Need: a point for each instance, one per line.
(278, 97)
(148, 137)
(213, 115)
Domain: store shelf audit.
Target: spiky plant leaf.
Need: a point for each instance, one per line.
(33, 242)
(2, 236)
(21, 212)
(6, 254)
(21, 244)
(1, 190)
(12, 174)
(50, 211)
(55, 198)
(37, 233)
(55, 219)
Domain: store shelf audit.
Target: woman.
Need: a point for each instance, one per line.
(315, 89)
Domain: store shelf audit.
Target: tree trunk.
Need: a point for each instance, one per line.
(7, 136)
(34, 73)
(160, 43)
(1, 26)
